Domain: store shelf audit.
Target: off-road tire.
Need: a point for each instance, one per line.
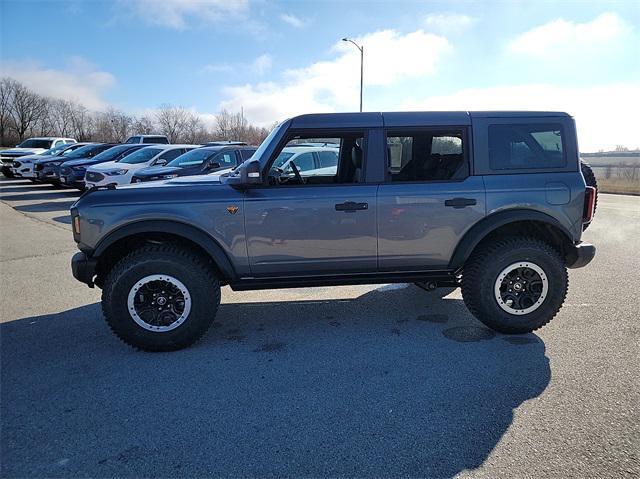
(590, 180)
(8, 173)
(483, 268)
(186, 266)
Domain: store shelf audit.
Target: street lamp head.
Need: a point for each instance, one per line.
(345, 39)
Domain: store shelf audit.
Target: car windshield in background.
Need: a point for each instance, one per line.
(111, 153)
(140, 156)
(83, 151)
(192, 158)
(54, 150)
(35, 143)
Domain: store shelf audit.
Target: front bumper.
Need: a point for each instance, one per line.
(83, 268)
(580, 255)
(74, 180)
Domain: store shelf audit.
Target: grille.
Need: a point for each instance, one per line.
(92, 176)
(65, 171)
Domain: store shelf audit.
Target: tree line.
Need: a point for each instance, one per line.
(24, 114)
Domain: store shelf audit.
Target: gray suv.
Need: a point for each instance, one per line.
(493, 202)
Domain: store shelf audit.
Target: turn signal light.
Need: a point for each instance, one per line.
(589, 204)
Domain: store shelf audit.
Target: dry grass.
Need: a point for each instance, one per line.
(619, 185)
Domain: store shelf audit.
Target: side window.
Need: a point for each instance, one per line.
(426, 156)
(304, 161)
(246, 154)
(526, 146)
(58, 143)
(226, 160)
(134, 139)
(328, 158)
(171, 154)
(319, 161)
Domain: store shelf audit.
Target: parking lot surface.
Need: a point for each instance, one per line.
(363, 381)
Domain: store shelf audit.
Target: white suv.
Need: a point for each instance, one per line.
(151, 139)
(120, 172)
(32, 146)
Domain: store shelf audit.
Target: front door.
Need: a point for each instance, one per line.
(313, 221)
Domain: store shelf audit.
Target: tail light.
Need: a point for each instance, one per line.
(589, 204)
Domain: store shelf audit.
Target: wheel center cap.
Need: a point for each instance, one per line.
(161, 300)
(517, 286)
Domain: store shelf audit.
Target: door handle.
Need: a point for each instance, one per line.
(351, 206)
(460, 202)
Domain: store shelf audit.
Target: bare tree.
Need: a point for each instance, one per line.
(82, 123)
(27, 108)
(172, 121)
(7, 87)
(143, 125)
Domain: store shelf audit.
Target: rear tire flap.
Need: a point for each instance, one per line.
(481, 272)
(181, 263)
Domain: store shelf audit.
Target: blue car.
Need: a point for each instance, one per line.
(201, 161)
(72, 172)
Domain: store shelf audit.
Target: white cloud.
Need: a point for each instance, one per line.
(292, 20)
(79, 81)
(333, 85)
(556, 38)
(605, 115)
(176, 13)
(448, 22)
(262, 64)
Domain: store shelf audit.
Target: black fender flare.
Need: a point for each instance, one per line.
(484, 227)
(178, 228)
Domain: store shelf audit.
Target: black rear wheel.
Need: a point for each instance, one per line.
(515, 285)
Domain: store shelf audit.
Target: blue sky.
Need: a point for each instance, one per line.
(277, 59)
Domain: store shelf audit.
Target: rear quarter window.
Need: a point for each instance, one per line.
(526, 146)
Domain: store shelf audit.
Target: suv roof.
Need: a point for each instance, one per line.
(407, 118)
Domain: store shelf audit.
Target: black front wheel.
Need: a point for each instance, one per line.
(515, 285)
(160, 298)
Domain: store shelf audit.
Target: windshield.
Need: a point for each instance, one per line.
(111, 153)
(35, 143)
(84, 151)
(140, 156)
(192, 158)
(54, 150)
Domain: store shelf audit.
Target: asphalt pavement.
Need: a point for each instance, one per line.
(363, 381)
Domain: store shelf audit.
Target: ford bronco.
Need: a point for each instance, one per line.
(492, 202)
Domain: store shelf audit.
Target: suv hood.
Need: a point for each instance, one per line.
(158, 170)
(112, 165)
(21, 151)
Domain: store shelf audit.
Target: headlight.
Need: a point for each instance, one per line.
(26, 162)
(116, 172)
(79, 169)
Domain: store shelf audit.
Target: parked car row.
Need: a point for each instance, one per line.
(146, 158)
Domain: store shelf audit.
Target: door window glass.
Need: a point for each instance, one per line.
(426, 156)
(316, 161)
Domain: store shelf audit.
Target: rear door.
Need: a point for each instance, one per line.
(428, 200)
(310, 222)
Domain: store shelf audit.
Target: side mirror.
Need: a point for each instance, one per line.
(251, 174)
(246, 175)
(161, 162)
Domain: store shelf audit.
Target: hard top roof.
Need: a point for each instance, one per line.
(408, 118)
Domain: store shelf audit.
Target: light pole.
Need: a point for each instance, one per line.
(361, 48)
